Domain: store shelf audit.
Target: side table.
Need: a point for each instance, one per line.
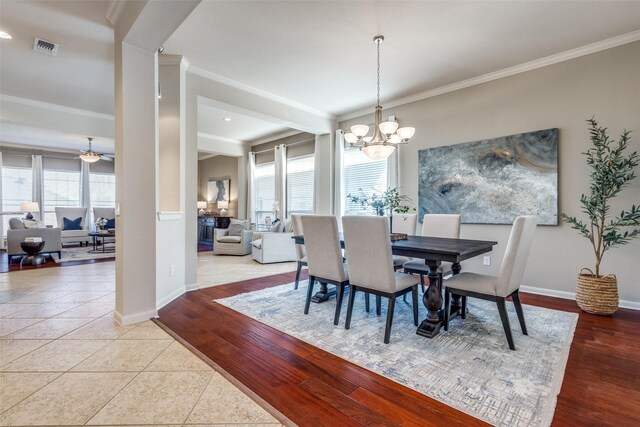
(33, 256)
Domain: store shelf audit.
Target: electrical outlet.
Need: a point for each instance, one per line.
(486, 260)
(172, 270)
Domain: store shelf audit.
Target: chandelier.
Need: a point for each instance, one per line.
(386, 135)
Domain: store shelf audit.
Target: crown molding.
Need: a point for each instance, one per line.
(114, 10)
(506, 72)
(180, 60)
(213, 137)
(55, 107)
(274, 137)
(259, 92)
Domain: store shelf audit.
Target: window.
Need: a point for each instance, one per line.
(102, 188)
(300, 185)
(265, 191)
(16, 188)
(61, 188)
(360, 172)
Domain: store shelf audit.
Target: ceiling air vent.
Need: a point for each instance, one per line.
(44, 46)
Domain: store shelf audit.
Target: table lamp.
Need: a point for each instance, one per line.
(202, 205)
(28, 207)
(223, 205)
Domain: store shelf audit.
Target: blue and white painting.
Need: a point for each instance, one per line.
(492, 181)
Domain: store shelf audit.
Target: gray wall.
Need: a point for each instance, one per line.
(564, 95)
(216, 167)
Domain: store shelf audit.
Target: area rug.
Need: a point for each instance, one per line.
(215, 270)
(470, 367)
(81, 253)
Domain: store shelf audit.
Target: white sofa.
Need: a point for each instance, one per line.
(271, 247)
(73, 236)
(17, 233)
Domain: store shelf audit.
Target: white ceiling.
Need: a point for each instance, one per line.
(320, 54)
(12, 133)
(317, 54)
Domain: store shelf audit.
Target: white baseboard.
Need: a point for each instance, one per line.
(633, 305)
(192, 287)
(135, 317)
(167, 299)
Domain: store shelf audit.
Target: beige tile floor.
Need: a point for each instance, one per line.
(64, 360)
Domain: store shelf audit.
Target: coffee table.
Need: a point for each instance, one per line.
(33, 256)
(99, 238)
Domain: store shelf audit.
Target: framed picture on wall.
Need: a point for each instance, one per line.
(218, 189)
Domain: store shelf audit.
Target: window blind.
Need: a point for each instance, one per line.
(360, 172)
(300, 185)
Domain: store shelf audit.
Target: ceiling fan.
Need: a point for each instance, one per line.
(91, 156)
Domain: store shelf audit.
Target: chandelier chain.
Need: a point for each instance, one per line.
(378, 44)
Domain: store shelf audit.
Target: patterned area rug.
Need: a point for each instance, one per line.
(470, 367)
(81, 253)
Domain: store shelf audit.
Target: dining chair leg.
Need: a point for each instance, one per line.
(387, 329)
(352, 295)
(463, 307)
(378, 305)
(366, 302)
(339, 298)
(502, 308)
(299, 269)
(312, 280)
(422, 283)
(516, 302)
(447, 308)
(414, 301)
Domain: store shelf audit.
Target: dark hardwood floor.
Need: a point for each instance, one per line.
(311, 387)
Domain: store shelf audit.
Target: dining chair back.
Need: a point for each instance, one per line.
(301, 253)
(404, 223)
(324, 255)
(368, 247)
(441, 225)
(516, 254)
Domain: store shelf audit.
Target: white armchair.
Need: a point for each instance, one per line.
(273, 247)
(224, 244)
(73, 236)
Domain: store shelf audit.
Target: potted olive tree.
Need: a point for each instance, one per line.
(611, 171)
(390, 200)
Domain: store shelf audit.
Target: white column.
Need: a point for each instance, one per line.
(323, 180)
(136, 111)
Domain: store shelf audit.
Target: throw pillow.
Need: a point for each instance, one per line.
(72, 224)
(277, 227)
(16, 224)
(243, 222)
(287, 226)
(111, 223)
(235, 229)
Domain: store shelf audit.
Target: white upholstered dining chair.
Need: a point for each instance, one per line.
(324, 257)
(301, 253)
(370, 261)
(435, 225)
(403, 223)
(505, 285)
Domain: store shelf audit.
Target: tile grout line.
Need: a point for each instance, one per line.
(201, 394)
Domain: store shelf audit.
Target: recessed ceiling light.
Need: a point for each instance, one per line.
(4, 35)
(227, 119)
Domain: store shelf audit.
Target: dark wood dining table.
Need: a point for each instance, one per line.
(434, 251)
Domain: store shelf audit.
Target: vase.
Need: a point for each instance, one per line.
(597, 295)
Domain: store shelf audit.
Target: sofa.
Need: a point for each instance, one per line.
(18, 232)
(234, 240)
(269, 247)
(73, 236)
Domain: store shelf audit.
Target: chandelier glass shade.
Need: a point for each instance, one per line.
(386, 135)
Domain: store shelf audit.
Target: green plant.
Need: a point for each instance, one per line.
(611, 171)
(380, 201)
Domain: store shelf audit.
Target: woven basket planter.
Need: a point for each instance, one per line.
(597, 295)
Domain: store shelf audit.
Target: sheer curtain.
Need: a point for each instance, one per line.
(281, 178)
(85, 193)
(37, 183)
(393, 179)
(339, 194)
(251, 187)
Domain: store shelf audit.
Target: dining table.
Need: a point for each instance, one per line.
(434, 251)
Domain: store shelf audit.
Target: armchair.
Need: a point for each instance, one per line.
(272, 247)
(73, 236)
(224, 244)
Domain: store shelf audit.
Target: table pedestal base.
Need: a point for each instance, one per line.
(429, 329)
(323, 294)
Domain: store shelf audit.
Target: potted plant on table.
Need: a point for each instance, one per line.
(611, 171)
(390, 200)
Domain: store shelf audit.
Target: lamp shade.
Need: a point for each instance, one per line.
(359, 130)
(406, 132)
(89, 157)
(350, 138)
(29, 207)
(378, 151)
(388, 127)
(223, 204)
(202, 204)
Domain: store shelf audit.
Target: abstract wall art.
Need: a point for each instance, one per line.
(218, 189)
(492, 181)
